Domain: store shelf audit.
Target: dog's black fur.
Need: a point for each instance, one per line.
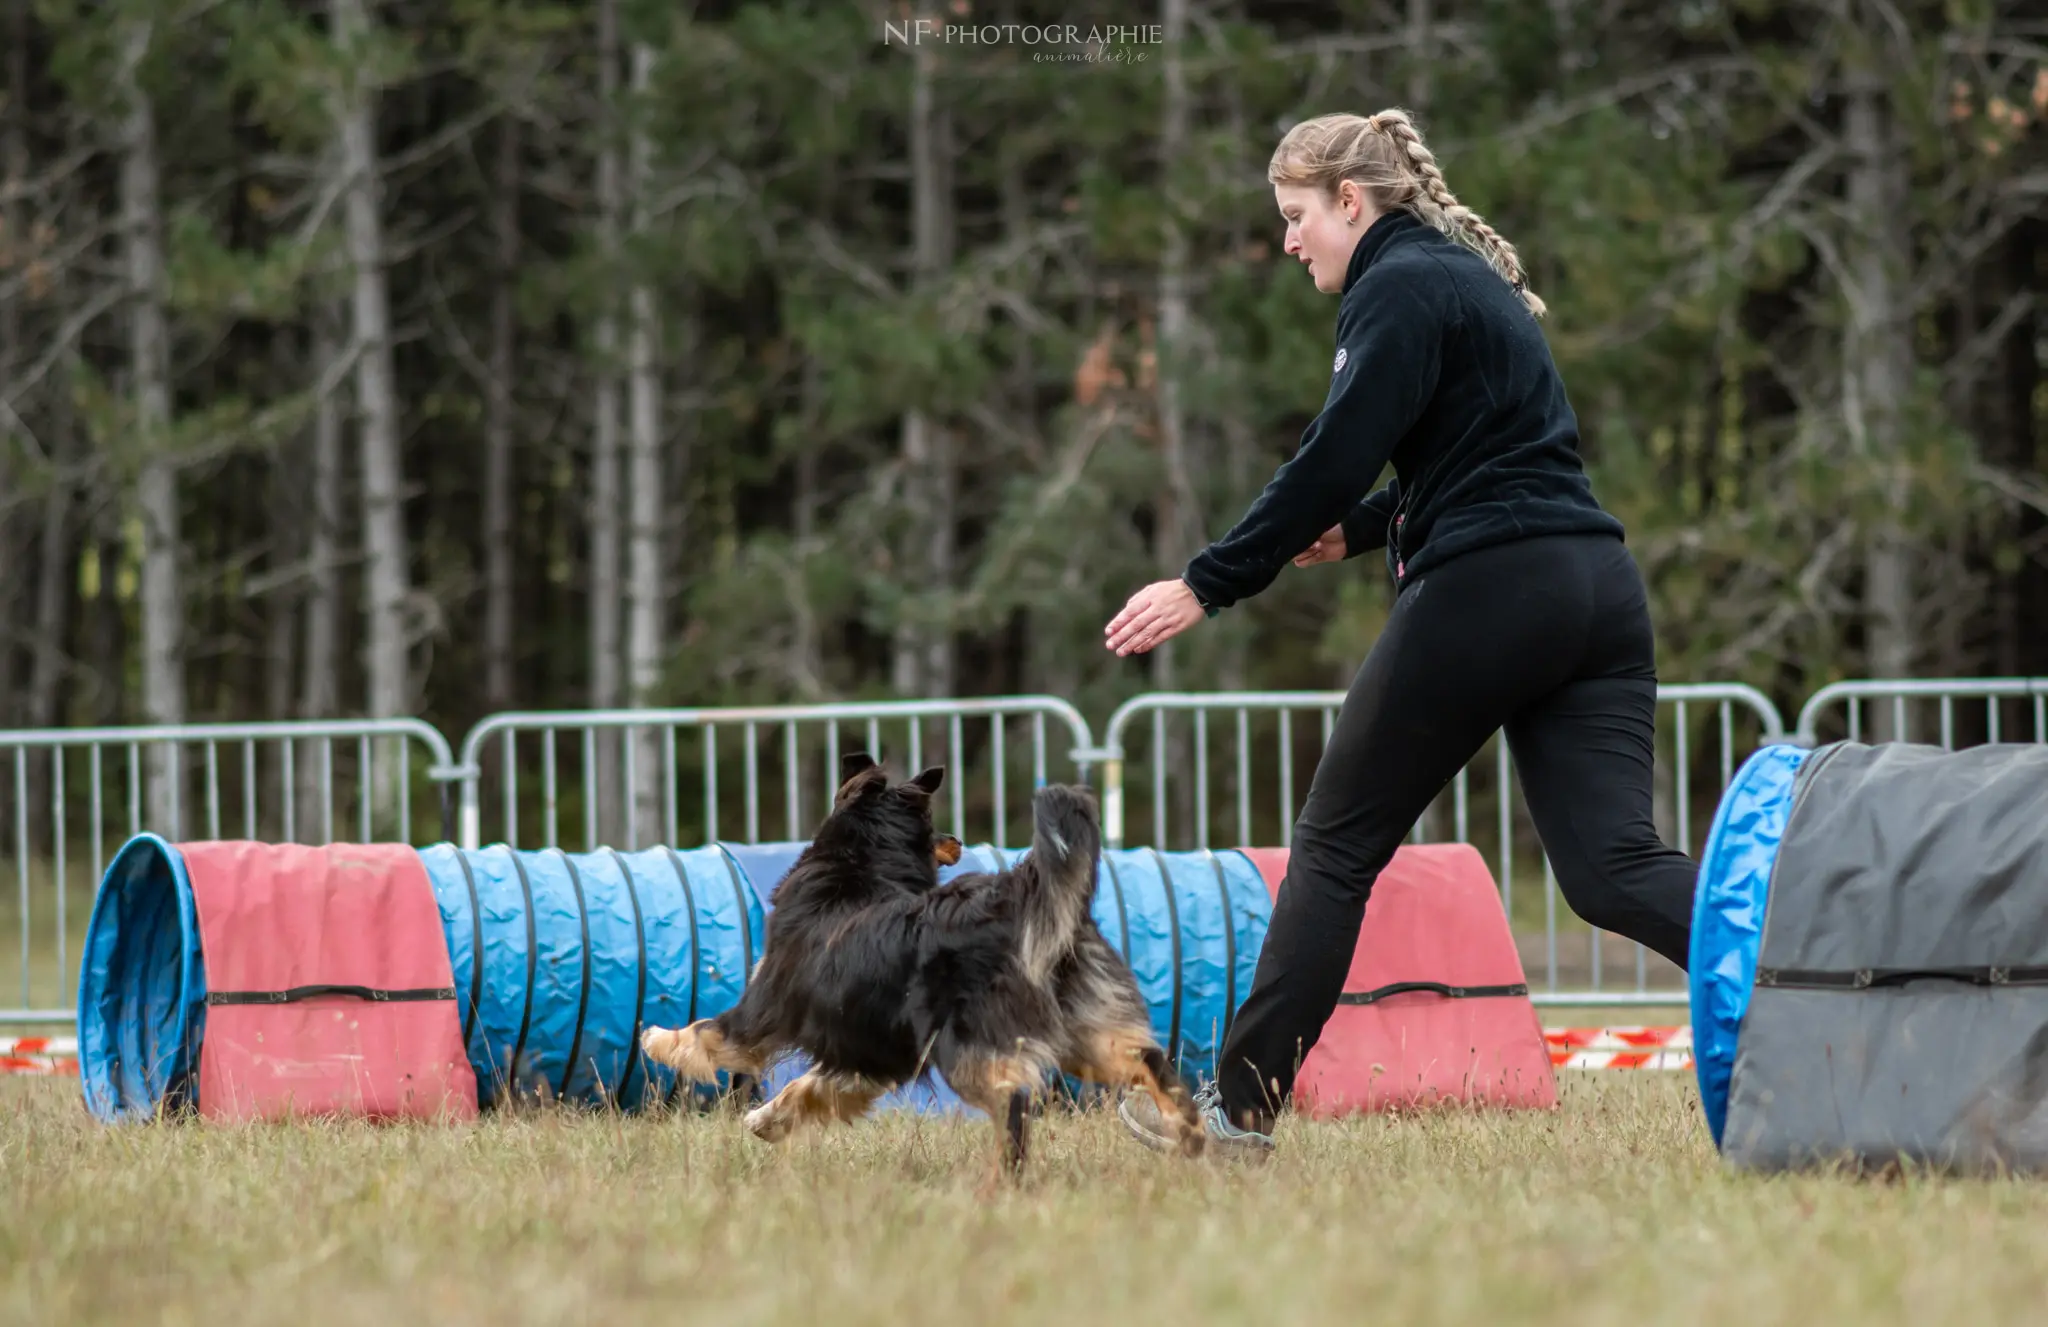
(997, 980)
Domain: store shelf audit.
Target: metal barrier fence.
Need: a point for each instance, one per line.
(281, 781)
(2003, 699)
(989, 746)
(73, 795)
(1265, 753)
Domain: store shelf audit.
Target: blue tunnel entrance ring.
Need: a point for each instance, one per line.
(1728, 914)
(142, 987)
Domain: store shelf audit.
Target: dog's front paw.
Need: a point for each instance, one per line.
(665, 1045)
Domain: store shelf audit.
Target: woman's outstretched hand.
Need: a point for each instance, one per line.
(1154, 615)
(1329, 548)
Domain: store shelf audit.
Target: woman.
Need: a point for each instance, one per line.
(1517, 605)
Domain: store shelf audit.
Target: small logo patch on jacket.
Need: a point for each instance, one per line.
(1338, 367)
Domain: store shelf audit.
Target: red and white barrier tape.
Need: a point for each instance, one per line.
(1620, 1047)
(38, 1055)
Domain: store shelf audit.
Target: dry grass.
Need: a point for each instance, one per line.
(1612, 1211)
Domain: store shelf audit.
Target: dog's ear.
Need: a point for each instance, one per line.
(931, 779)
(859, 776)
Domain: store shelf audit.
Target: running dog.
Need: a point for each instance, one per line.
(997, 980)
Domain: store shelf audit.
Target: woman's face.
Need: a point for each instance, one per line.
(1320, 229)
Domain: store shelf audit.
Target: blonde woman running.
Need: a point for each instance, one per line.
(1517, 605)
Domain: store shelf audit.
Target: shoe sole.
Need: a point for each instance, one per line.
(1213, 1145)
(1157, 1142)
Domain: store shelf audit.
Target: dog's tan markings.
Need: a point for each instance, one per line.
(1128, 1057)
(947, 850)
(1002, 1086)
(815, 1097)
(699, 1051)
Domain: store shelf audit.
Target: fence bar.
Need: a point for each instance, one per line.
(668, 784)
(45, 940)
(956, 756)
(799, 744)
(1286, 778)
(63, 877)
(789, 795)
(753, 770)
(1001, 762)
(248, 787)
(1244, 775)
(21, 862)
(212, 790)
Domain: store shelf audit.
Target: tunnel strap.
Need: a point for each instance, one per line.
(1123, 916)
(1433, 987)
(583, 994)
(1173, 927)
(476, 947)
(1857, 979)
(640, 967)
(315, 991)
(1229, 944)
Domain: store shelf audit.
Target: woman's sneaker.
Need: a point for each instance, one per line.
(1140, 1115)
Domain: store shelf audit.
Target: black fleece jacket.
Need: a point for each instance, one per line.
(1442, 370)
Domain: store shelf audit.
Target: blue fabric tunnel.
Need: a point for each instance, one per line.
(141, 986)
(560, 959)
(1728, 914)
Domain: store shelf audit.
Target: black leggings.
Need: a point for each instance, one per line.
(1546, 637)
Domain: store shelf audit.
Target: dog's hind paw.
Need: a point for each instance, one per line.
(768, 1124)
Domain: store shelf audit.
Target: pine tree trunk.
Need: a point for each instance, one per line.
(605, 590)
(497, 493)
(320, 676)
(2022, 386)
(386, 563)
(1178, 507)
(149, 359)
(1438, 820)
(1421, 38)
(14, 548)
(924, 663)
(806, 664)
(54, 568)
(1878, 366)
(646, 595)
(320, 686)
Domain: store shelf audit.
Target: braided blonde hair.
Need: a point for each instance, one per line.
(1385, 155)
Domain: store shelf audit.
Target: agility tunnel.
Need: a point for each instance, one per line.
(467, 977)
(1869, 964)
(250, 980)
(253, 980)
(1435, 1010)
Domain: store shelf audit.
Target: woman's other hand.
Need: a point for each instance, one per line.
(1154, 615)
(1329, 548)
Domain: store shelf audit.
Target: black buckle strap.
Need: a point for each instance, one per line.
(1860, 979)
(1435, 988)
(298, 993)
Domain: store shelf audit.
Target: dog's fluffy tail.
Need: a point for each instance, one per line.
(1066, 845)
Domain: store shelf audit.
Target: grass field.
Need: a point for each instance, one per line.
(1614, 1210)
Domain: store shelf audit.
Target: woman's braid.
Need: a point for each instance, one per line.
(1436, 204)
